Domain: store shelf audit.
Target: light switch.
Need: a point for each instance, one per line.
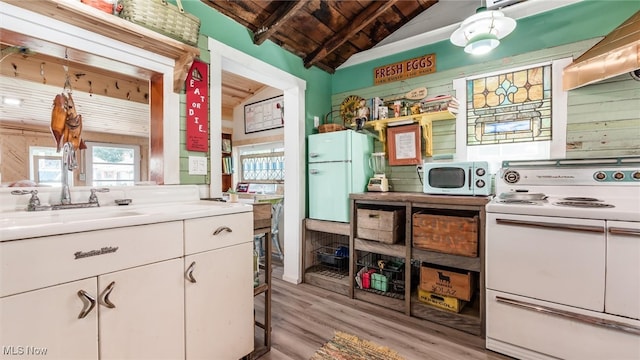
(197, 165)
(316, 121)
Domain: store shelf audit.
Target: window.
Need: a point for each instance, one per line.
(112, 164)
(262, 164)
(515, 114)
(45, 166)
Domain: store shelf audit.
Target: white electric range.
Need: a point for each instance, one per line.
(563, 259)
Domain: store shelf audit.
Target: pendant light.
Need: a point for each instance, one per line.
(480, 33)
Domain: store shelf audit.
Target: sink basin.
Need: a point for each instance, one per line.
(45, 218)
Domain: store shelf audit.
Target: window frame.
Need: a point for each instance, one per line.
(89, 160)
(550, 149)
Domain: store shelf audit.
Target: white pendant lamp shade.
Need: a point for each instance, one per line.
(481, 32)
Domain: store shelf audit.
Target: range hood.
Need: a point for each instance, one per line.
(616, 54)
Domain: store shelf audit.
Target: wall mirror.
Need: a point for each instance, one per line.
(115, 114)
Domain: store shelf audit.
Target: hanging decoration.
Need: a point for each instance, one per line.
(197, 90)
(66, 123)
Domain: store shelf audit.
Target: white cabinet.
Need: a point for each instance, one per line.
(45, 323)
(219, 287)
(131, 292)
(42, 294)
(142, 312)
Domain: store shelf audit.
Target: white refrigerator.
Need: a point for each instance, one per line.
(338, 164)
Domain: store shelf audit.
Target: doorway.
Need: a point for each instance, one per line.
(226, 58)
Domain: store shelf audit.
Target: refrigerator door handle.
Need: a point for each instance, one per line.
(314, 171)
(313, 155)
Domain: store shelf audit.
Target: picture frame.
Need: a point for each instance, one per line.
(404, 145)
(264, 115)
(226, 145)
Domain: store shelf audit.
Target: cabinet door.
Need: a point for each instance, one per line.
(45, 323)
(219, 304)
(147, 320)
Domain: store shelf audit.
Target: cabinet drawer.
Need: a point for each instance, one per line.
(35, 263)
(217, 232)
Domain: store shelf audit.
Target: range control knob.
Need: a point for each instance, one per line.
(636, 175)
(618, 175)
(600, 176)
(480, 172)
(511, 176)
(480, 184)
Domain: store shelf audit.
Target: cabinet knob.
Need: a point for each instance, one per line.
(221, 229)
(88, 301)
(105, 296)
(189, 273)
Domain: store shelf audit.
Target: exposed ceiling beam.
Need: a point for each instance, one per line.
(364, 18)
(276, 20)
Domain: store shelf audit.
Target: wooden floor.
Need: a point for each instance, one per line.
(304, 317)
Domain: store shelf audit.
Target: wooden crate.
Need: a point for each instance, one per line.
(454, 283)
(380, 225)
(447, 234)
(441, 301)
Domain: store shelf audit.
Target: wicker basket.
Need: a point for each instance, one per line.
(328, 126)
(162, 17)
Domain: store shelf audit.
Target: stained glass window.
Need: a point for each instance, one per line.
(510, 107)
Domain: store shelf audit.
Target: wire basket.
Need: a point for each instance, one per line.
(382, 274)
(335, 256)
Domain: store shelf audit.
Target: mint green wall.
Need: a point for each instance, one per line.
(229, 32)
(584, 20)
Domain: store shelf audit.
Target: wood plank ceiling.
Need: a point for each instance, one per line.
(323, 33)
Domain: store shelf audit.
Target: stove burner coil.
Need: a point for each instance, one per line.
(518, 201)
(583, 204)
(579, 198)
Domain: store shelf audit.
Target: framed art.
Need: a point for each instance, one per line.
(404, 145)
(226, 145)
(264, 115)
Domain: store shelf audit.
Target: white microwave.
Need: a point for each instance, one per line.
(457, 178)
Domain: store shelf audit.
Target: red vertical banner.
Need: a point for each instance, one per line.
(197, 88)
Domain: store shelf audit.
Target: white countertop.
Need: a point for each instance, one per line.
(28, 224)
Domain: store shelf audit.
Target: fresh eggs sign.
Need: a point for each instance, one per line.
(405, 69)
(197, 88)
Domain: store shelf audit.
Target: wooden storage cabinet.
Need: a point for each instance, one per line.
(458, 219)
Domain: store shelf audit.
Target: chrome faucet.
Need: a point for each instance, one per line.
(93, 198)
(69, 163)
(34, 201)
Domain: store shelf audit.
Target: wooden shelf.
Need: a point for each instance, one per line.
(262, 225)
(455, 261)
(111, 26)
(468, 319)
(397, 250)
(425, 120)
(382, 300)
(472, 317)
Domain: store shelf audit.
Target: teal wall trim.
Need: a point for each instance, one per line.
(584, 20)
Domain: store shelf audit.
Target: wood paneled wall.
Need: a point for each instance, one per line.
(603, 118)
(15, 143)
